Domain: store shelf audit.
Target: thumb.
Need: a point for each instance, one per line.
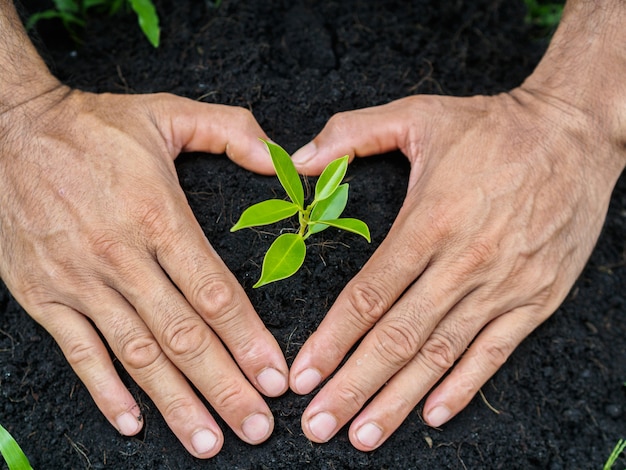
(360, 133)
(191, 126)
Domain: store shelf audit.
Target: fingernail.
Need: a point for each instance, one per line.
(128, 424)
(304, 154)
(203, 441)
(272, 382)
(307, 380)
(369, 435)
(323, 426)
(438, 416)
(256, 427)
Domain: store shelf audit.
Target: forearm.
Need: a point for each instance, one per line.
(23, 74)
(585, 68)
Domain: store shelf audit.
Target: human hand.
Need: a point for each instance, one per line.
(96, 235)
(505, 201)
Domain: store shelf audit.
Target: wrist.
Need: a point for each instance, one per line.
(24, 76)
(584, 67)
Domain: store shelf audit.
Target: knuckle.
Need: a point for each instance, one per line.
(179, 409)
(350, 397)
(79, 352)
(215, 296)
(368, 302)
(339, 123)
(480, 254)
(250, 350)
(495, 352)
(108, 246)
(227, 395)
(475, 260)
(138, 350)
(186, 337)
(440, 225)
(439, 352)
(155, 219)
(243, 116)
(397, 342)
(32, 295)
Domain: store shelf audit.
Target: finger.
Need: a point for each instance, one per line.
(482, 360)
(386, 412)
(190, 126)
(90, 359)
(401, 393)
(395, 341)
(185, 344)
(142, 357)
(363, 132)
(140, 354)
(398, 261)
(215, 294)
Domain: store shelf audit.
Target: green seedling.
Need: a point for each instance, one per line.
(617, 451)
(286, 254)
(12, 453)
(73, 14)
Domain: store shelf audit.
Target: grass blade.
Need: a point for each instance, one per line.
(617, 450)
(12, 453)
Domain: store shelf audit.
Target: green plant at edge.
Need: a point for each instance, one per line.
(286, 254)
(617, 450)
(545, 15)
(12, 453)
(73, 13)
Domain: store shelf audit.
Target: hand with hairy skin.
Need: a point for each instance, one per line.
(96, 235)
(506, 198)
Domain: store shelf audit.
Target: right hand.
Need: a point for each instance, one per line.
(96, 235)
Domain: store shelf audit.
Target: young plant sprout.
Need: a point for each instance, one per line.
(12, 452)
(286, 254)
(619, 448)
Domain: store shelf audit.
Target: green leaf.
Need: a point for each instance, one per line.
(287, 173)
(329, 208)
(72, 6)
(264, 213)
(351, 225)
(330, 178)
(283, 258)
(87, 4)
(148, 20)
(66, 17)
(12, 453)
(617, 450)
(115, 6)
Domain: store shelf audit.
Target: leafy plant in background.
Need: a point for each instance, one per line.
(543, 14)
(73, 14)
(12, 453)
(286, 254)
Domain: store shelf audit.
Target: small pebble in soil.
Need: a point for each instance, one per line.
(572, 415)
(613, 410)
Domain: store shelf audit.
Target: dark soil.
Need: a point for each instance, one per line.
(561, 398)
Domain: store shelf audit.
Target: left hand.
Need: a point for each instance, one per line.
(506, 199)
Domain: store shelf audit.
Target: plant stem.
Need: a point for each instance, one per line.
(304, 218)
